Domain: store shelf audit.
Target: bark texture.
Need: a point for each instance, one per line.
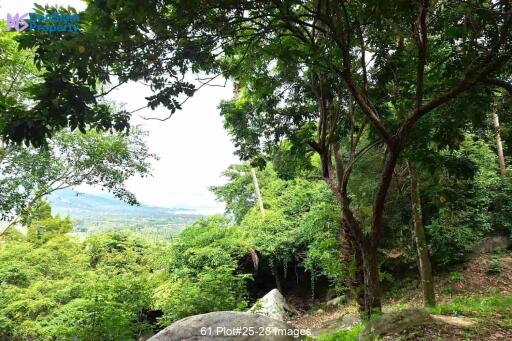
(424, 265)
(257, 191)
(499, 145)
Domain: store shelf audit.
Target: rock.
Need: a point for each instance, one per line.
(330, 294)
(337, 324)
(394, 322)
(273, 305)
(145, 335)
(227, 326)
(337, 301)
(492, 244)
(458, 321)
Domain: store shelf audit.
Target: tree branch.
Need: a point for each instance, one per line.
(421, 32)
(380, 196)
(473, 76)
(499, 83)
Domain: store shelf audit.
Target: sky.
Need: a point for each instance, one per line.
(193, 147)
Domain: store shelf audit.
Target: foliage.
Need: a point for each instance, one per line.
(467, 207)
(201, 273)
(53, 287)
(238, 192)
(166, 42)
(495, 266)
(43, 226)
(215, 289)
(300, 223)
(456, 276)
(482, 307)
(343, 92)
(35, 102)
(71, 159)
(351, 334)
(18, 73)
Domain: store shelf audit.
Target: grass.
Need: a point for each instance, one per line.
(491, 312)
(351, 334)
(479, 307)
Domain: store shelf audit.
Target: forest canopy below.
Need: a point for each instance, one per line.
(373, 137)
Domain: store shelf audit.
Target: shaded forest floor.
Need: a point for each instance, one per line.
(474, 303)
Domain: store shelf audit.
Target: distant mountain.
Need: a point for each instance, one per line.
(76, 204)
(94, 213)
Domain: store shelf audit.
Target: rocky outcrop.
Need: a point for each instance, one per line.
(228, 326)
(336, 302)
(394, 322)
(492, 244)
(273, 305)
(457, 321)
(336, 324)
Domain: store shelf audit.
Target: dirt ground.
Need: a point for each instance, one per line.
(475, 278)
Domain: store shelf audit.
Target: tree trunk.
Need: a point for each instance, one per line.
(369, 244)
(353, 262)
(358, 279)
(365, 279)
(366, 245)
(425, 267)
(275, 271)
(499, 145)
(372, 293)
(257, 191)
(12, 222)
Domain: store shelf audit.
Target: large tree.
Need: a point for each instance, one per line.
(27, 174)
(419, 65)
(92, 157)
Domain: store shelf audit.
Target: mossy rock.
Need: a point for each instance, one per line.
(395, 322)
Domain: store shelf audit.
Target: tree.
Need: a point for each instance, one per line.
(27, 174)
(499, 145)
(400, 92)
(424, 264)
(36, 102)
(299, 228)
(17, 70)
(507, 87)
(310, 112)
(201, 272)
(238, 193)
(399, 64)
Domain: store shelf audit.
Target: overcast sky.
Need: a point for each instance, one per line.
(193, 146)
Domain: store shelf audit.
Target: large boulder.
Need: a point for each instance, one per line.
(492, 244)
(228, 326)
(334, 325)
(273, 305)
(395, 322)
(336, 302)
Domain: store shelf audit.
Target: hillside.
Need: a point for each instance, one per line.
(474, 303)
(94, 213)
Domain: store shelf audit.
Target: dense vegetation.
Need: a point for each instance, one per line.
(372, 135)
(55, 286)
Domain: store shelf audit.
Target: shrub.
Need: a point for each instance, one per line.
(495, 266)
